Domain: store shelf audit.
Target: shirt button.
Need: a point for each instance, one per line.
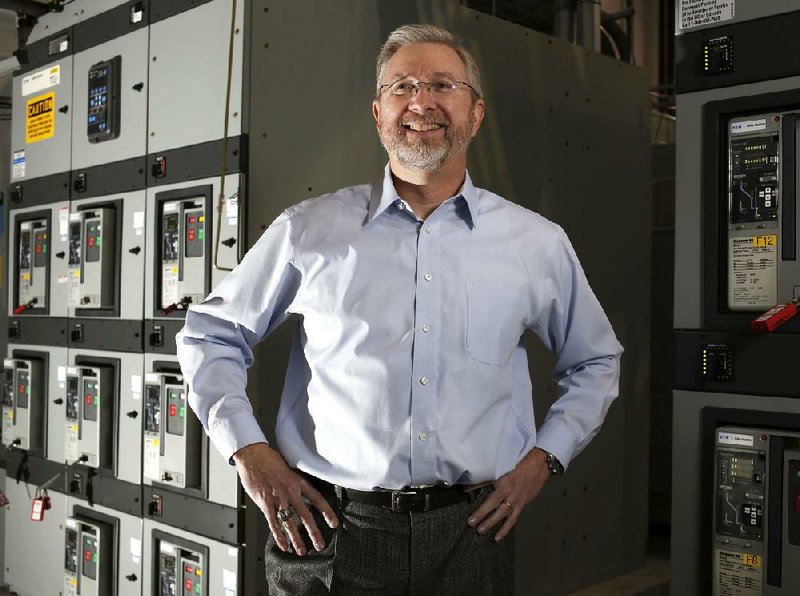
(423, 436)
(428, 230)
(428, 277)
(424, 380)
(426, 327)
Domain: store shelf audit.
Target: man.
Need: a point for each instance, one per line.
(406, 446)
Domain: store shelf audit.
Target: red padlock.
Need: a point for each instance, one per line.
(40, 505)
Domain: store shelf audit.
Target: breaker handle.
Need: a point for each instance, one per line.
(23, 307)
(183, 305)
(775, 317)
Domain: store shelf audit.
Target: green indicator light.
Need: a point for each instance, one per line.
(182, 411)
(99, 241)
(44, 248)
(94, 558)
(95, 401)
(197, 588)
(200, 235)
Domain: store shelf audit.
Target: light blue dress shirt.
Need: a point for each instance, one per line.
(408, 367)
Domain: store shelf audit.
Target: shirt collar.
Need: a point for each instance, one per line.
(384, 194)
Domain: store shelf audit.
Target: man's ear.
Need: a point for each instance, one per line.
(478, 112)
(376, 113)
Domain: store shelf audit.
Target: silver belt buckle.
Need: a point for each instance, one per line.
(401, 505)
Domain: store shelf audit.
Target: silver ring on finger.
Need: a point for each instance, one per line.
(287, 514)
(509, 505)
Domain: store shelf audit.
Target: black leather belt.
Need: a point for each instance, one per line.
(406, 500)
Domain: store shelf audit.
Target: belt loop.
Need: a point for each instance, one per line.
(339, 494)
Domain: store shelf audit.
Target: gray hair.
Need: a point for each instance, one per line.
(413, 34)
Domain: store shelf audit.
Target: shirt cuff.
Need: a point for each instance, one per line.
(235, 432)
(555, 437)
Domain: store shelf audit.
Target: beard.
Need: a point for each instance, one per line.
(426, 154)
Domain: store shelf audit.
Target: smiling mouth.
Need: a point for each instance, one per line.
(419, 127)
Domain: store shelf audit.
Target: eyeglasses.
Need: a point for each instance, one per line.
(439, 87)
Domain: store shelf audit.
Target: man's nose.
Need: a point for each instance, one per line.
(422, 99)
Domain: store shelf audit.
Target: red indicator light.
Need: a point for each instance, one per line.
(38, 249)
(188, 569)
(22, 388)
(192, 219)
(188, 584)
(172, 410)
(191, 235)
(89, 400)
(87, 555)
(91, 241)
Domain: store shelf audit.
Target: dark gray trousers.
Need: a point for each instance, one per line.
(377, 552)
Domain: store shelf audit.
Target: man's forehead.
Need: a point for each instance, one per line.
(432, 59)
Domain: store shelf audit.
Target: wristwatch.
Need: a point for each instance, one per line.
(555, 467)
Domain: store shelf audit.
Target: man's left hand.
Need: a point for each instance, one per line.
(512, 492)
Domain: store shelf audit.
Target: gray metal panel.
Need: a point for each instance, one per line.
(689, 195)
(132, 140)
(50, 155)
(745, 10)
(129, 428)
(130, 264)
(226, 256)
(59, 213)
(34, 550)
(130, 548)
(568, 139)
(55, 412)
(223, 561)
(686, 477)
(76, 12)
(188, 74)
(223, 481)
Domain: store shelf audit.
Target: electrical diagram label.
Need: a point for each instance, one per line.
(18, 165)
(738, 574)
(752, 273)
(40, 118)
(39, 81)
(695, 13)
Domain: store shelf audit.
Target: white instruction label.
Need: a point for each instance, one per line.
(738, 574)
(748, 126)
(734, 439)
(136, 386)
(753, 272)
(228, 579)
(136, 548)
(138, 222)
(695, 13)
(41, 80)
(63, 222)
(151, 455)
(18, 165)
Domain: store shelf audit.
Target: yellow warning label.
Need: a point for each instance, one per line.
(751, 560)
(765, 240)
(40, 119)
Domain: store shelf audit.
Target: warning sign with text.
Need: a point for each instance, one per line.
(40, 118)
(738, 574)
(696, 13)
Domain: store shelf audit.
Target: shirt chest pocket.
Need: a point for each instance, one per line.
(494, 322)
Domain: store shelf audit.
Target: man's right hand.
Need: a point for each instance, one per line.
(273, 485)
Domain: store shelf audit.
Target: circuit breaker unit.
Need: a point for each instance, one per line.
(103, 110)
(33, 268)
(172, 436)
(756, 527)
(92, 253)
(88, 558)
(184, 267)
(754, 190)
(23, 403)
(90, 415)
(181, 568)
